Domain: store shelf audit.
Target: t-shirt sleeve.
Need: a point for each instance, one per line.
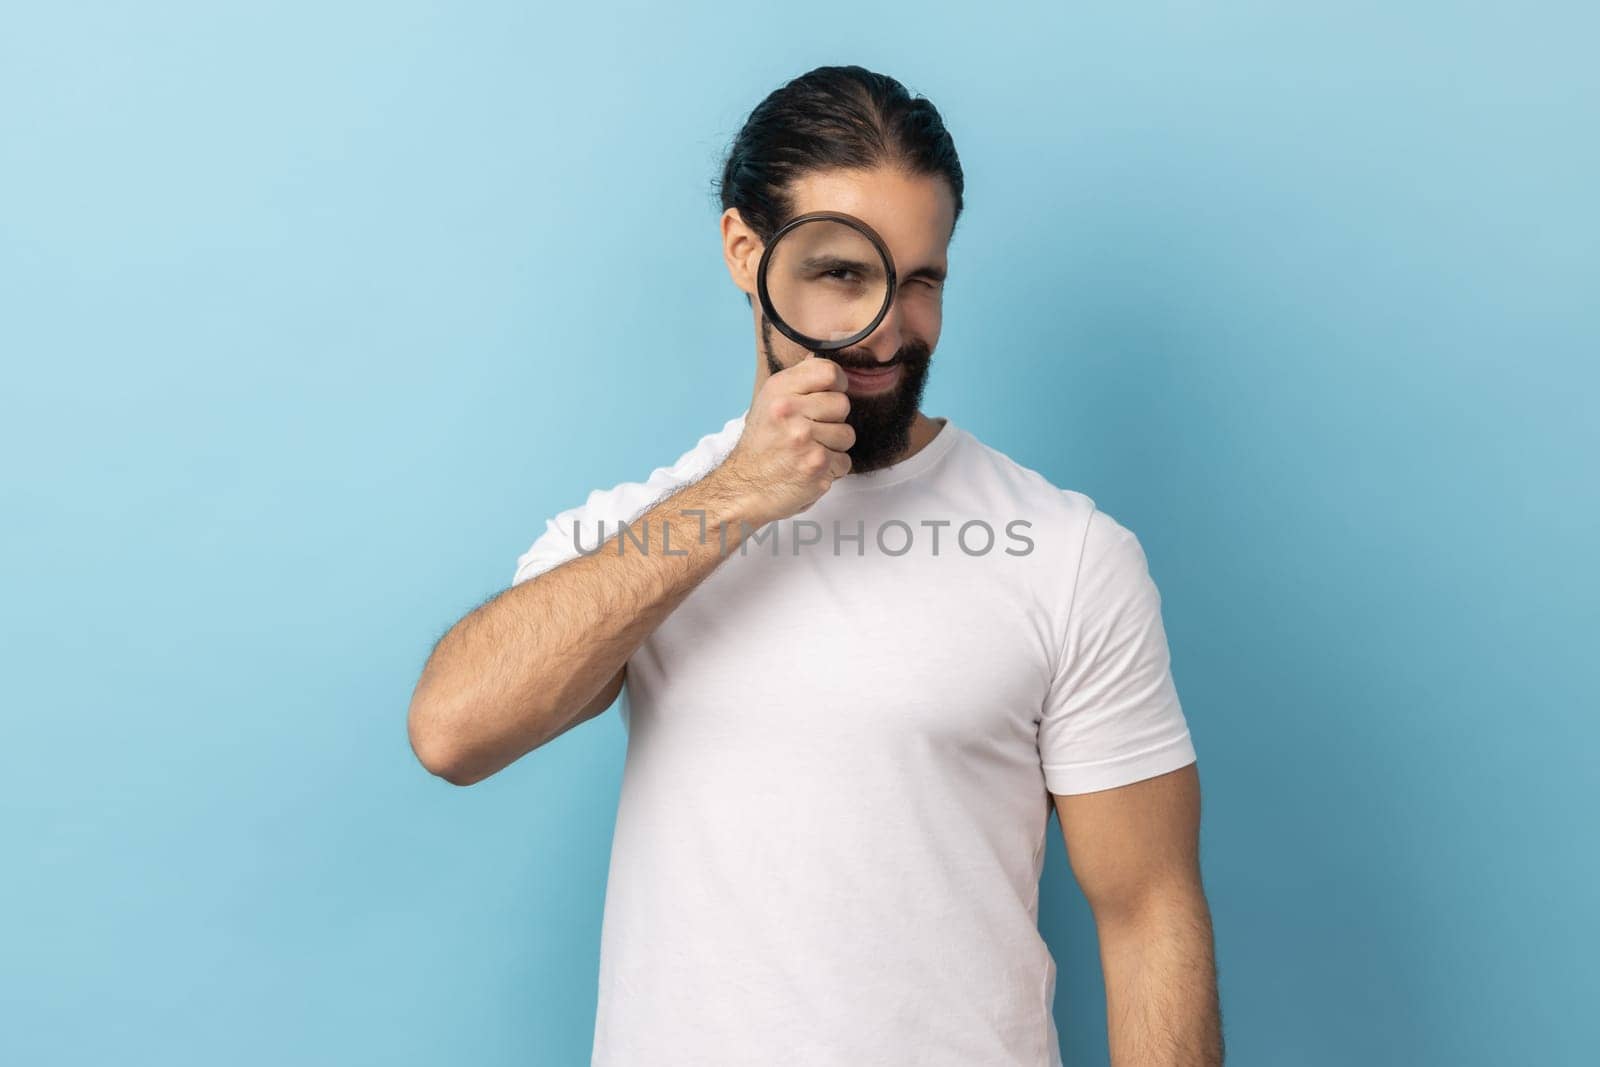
(556, 545)
(1112, 715)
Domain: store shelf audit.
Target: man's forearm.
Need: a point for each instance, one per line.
(515, 672)
(1162, 1007)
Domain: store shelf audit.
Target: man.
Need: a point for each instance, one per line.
(863, 657)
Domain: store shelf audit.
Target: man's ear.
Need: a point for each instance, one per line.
(741, 250)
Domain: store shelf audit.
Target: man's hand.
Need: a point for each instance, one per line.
(795, 440)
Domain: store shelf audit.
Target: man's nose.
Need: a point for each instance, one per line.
(885, 341)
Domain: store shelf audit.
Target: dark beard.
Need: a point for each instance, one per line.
(882, 422)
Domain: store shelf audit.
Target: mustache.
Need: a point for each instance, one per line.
(909, 354)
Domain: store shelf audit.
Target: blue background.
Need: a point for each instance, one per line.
(311, 314)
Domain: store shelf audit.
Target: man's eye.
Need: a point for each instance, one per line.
(838, 274)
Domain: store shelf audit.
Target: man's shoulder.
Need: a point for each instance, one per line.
(711, 449)
(624, 502)
(1017, 485)
(1077, 539)
(1096, 534)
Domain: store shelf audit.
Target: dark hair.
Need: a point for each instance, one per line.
(828, 118)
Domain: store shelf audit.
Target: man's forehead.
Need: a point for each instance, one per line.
(914, 214)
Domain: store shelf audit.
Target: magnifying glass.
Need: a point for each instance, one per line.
(825, 281)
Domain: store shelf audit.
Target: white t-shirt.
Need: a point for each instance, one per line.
(840, 758)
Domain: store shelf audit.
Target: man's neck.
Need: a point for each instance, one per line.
(923, 431)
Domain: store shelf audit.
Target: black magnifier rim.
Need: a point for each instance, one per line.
(790, 332)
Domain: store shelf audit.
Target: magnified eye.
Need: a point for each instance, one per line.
(824, 278)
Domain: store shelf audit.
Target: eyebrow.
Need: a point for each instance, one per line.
(828, 261)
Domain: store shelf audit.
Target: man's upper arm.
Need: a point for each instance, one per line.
(567, 535)
(1114, 743)
(1132, 844)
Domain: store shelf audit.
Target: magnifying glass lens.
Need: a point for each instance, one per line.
(826, 280)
